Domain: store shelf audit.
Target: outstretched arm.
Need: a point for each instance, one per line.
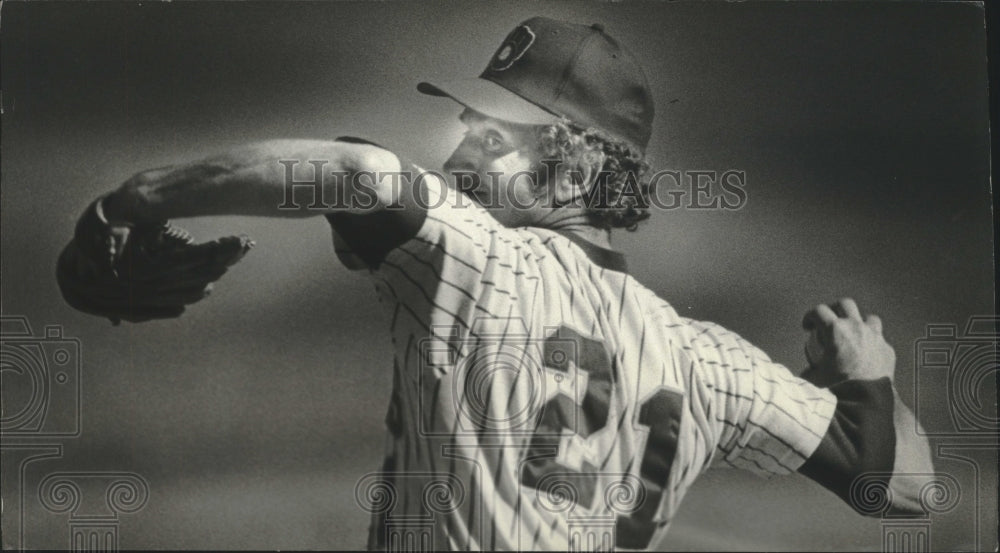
(255, 180)
(125, 263)
(872, 431)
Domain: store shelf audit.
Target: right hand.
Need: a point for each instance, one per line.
(844, 346)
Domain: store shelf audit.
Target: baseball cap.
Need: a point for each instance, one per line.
(546, 69)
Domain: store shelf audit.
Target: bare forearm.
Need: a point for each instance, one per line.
(250, 180)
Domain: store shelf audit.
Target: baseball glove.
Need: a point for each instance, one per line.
(140, 272)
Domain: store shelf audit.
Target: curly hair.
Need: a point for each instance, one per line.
(624, 195)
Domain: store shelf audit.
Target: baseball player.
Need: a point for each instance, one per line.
(543, 398)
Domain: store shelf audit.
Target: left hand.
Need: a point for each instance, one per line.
(141, 272)
(842, 345)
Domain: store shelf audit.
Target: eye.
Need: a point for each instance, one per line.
(493, 144)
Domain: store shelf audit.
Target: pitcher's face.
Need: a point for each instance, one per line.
(503, 157)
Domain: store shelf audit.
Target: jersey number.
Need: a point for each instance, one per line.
(659, 416)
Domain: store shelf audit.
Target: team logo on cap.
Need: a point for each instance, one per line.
(513, 47)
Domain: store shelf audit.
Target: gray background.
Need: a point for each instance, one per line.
(862, 129)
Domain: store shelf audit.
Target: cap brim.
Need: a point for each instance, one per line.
(490, 99)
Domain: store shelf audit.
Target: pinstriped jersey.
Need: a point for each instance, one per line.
(545, 399)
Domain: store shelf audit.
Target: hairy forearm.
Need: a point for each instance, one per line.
(250, 180)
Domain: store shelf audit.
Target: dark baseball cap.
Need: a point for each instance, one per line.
(546, 69)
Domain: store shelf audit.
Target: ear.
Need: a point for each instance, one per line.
(574, 181)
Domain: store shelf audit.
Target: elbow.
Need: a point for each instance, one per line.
(373, 159)
(371, 187)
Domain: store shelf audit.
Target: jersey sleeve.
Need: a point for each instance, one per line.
(454, 243)
(457, 266)
(767, 420)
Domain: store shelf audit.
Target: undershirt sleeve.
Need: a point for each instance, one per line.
(363, 240)
(861, 438)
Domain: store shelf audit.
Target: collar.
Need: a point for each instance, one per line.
(603, 257)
